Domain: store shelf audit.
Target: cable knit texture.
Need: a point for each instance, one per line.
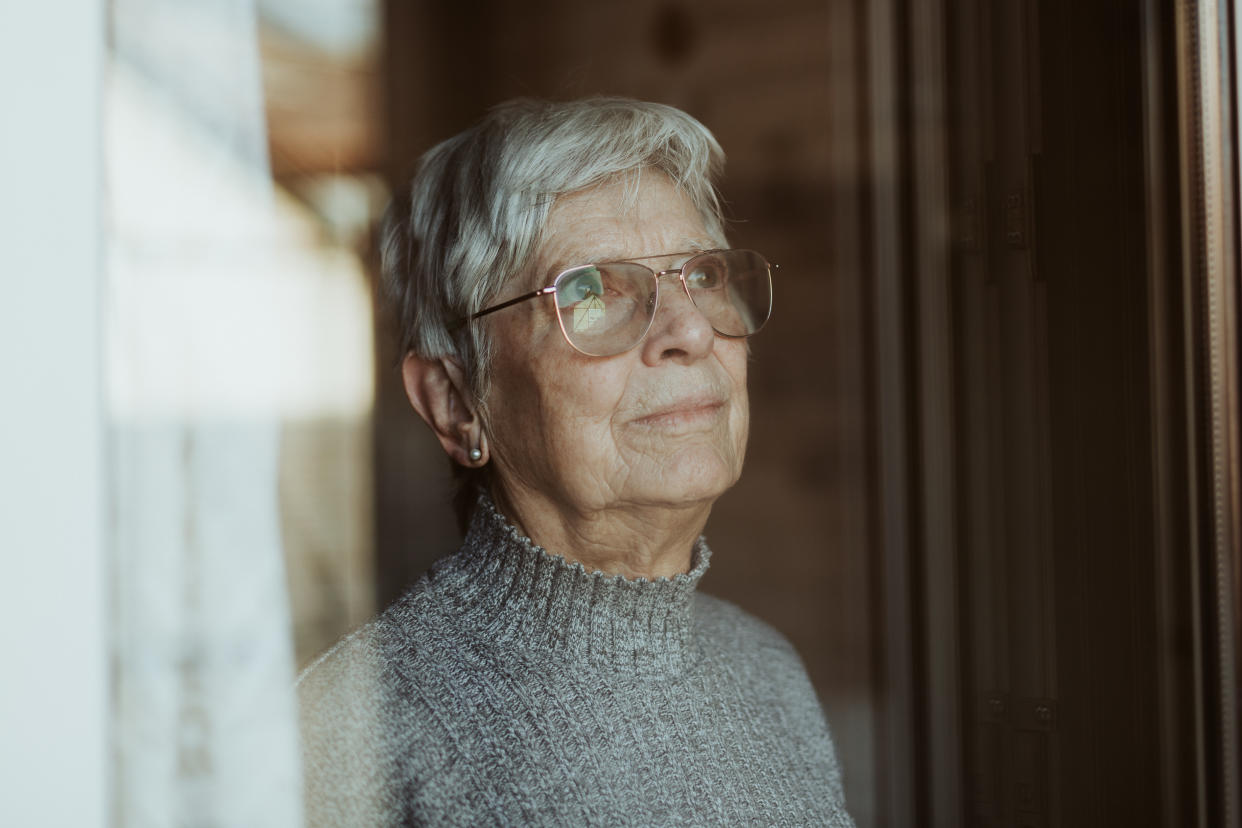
(510, 687)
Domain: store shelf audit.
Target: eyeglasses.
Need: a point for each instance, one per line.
(606, 309)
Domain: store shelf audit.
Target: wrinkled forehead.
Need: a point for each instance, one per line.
(624, 218)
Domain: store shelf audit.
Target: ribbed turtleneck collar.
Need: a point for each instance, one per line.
(512, 590)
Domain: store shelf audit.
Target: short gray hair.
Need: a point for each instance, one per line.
(473, 215)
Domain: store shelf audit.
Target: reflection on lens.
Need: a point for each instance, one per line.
(577, 285)
(732, 289)
(589, 313)
(708, 274)
(605, 310)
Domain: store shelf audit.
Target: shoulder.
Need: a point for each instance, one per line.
(727, 625)
(767, 668)
(390, 664)
(358, 713)
(756, 654)
(358, 661)
(340, 717)
(346, 661)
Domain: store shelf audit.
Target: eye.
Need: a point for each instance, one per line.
(708, 275)
(578, 286)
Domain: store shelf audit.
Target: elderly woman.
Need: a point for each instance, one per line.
(575, 334)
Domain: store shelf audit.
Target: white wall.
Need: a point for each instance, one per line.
(53, 672)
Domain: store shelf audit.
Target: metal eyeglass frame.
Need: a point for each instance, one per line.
(658, 274)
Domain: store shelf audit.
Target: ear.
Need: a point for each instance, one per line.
(438, 391)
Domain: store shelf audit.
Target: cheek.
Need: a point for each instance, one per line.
(551, 415)
(587, 398)
(515, 399)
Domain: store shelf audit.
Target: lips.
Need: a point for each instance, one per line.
(685, 411)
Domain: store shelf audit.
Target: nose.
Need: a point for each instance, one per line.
(679, 330)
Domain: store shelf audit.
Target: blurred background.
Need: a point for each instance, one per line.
(991, 492)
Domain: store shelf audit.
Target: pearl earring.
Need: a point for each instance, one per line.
(476, 454)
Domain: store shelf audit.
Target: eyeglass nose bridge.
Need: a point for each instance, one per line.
(680, 273)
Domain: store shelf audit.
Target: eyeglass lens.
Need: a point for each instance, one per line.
(606, 309)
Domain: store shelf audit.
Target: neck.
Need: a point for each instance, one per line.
(635, 541)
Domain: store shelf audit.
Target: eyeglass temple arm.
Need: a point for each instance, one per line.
(541, 292)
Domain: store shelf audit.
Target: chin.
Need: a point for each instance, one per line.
(694, 476)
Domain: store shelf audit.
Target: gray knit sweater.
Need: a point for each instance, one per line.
(509, 687)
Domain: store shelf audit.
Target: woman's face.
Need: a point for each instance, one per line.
(663, 424)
